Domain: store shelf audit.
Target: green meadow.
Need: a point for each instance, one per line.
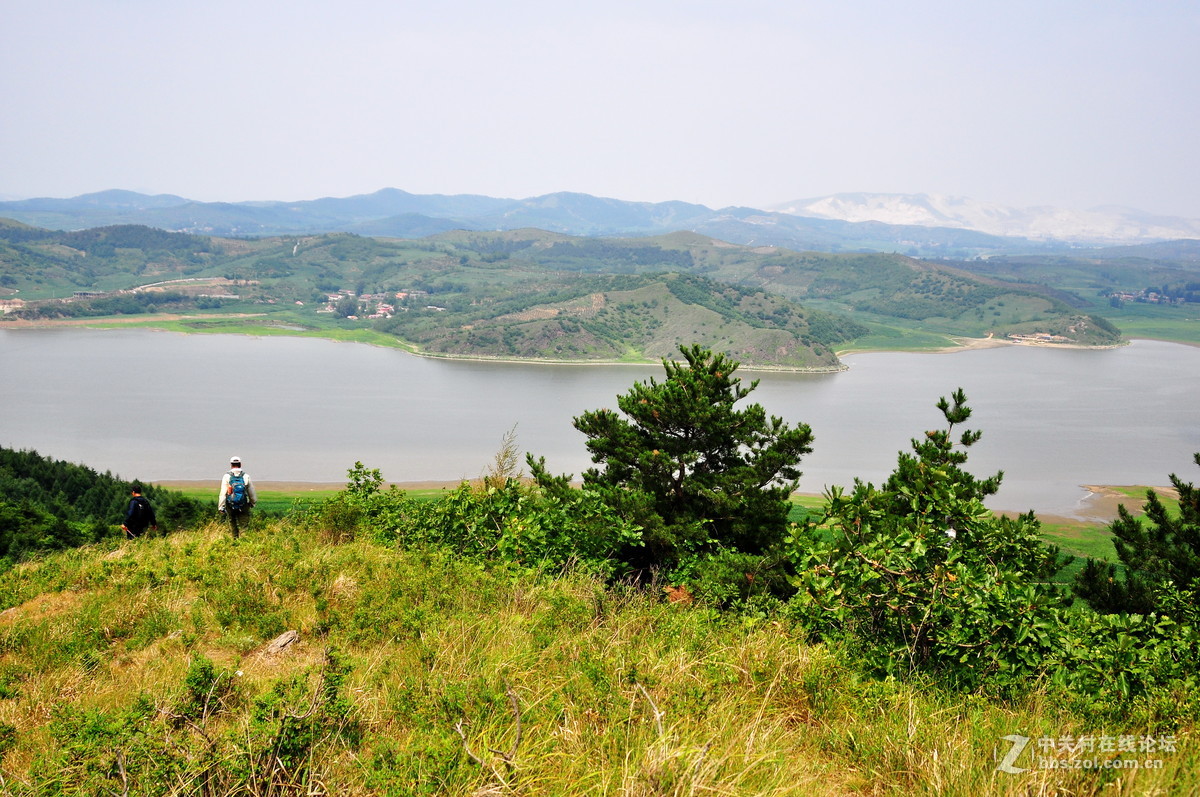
(277, 502)
(1180, 323)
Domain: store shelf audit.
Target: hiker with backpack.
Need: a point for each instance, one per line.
(139, 515)
(237, 496)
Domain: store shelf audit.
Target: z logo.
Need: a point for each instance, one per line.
(1018, 747)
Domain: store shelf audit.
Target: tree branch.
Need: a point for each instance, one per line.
(658, 715)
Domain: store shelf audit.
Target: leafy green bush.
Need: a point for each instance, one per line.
(548, 526)
(206, 690)
(920, 576)
(1129, 666)
(116, 751)
(1142, 652)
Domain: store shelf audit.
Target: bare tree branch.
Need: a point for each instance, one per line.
(658, 715)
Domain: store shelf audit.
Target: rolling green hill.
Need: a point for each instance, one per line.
(888, 290)
(1150, 291)
(635, 318)
(535, 294)
(45, 263)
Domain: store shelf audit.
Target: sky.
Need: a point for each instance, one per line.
(1027, 103)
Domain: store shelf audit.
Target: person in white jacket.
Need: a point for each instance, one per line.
(236, 497)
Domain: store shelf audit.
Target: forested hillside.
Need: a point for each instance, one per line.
(534, 294)
(48, 504)
(639, 316)
(45, 262)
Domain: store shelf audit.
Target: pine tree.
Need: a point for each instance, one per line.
(1161, 559)
(937, 461)
(699, 475)
(920, 575)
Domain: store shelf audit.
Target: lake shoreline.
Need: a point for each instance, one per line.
(306, 407)
(110, 322)
(959, 344)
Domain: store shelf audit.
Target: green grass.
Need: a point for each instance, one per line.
(1180, 324)
(1092, 539)
(274, 325)
(463, 679)
(1086, 540)
(804, 506)
(1082, 541)
(271, 501)
(897, 339)
(279, 502)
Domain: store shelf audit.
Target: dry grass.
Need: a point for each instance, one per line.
(469, 680)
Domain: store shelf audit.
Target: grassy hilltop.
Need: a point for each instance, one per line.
(145, 668)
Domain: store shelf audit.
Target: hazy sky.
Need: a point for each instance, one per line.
(1074, 103)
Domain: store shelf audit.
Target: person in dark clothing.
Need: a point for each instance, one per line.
(139, 515)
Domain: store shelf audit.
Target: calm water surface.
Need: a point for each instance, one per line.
(157, 405)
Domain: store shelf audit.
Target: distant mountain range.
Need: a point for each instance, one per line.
(1100, 225)
(916, 224)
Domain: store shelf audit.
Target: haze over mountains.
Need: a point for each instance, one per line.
(914, 224)
(1099, 225)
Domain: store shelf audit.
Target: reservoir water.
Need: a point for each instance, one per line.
(162, 406)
